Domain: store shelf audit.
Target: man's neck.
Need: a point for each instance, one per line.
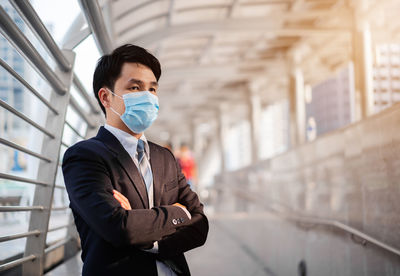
(124, 128)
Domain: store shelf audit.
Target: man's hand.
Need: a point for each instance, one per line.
(122, 200)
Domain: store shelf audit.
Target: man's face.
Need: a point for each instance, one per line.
(134, 77)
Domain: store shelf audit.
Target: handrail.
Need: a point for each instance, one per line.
(57, 245)
(59, 79)
(82, 91)
(23, 149)
(17, 38)
(65, 144)
(27, 12)
(17, 262)
(61, 208)
(60, 227)
(343, 227)
(81, 112)
(19, 236)
(25, 118)
(27, 85)
(20, 208)
(74, 129)
(326, 222)
(59, 187)
(22, 179)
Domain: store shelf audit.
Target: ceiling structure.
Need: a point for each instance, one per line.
(210, 50)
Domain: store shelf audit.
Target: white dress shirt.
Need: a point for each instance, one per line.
(129, 143)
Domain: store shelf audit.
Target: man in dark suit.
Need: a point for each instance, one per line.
(134, 211)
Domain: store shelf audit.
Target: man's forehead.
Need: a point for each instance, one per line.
(137, 81)
(136, 72)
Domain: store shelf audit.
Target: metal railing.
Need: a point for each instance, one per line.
(293, 216)
(60, 80)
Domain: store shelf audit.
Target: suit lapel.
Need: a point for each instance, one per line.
(126, 162)
(158, 171)
(130, 168)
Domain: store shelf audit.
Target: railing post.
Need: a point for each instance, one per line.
(47, 173)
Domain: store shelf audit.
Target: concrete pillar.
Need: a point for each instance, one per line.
(363, 69)
(297, 108)
(254, 116)
(196, 139)
(222, 131)
(175, 142)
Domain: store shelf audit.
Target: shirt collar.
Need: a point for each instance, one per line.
(128, 141)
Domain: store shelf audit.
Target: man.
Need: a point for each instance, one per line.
(133, 209)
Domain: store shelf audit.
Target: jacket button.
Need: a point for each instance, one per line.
(174, 221)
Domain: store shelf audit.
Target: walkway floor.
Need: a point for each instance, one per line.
(264, 244)
(223, 254)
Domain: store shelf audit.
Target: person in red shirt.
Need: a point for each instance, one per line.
(188, 165)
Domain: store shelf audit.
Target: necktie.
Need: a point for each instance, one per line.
(144, 166)
(145, 170)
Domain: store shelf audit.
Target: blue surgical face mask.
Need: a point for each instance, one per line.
(141, 109)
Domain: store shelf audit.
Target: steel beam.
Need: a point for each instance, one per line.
(27, 85)
(29, 15)
(252, 25)
(13, 34)
(94, 17)
(75, 33)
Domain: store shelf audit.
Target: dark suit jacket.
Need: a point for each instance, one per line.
(112, 237)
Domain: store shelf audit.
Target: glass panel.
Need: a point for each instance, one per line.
(70, 137)
(57, 16)
(87, 55)
(81, 101)
(11, 248)
(76, 121)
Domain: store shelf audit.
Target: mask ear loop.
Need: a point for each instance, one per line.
(112, 109)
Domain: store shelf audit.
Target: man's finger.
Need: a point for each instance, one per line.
(180, 205)
(121, 196)
(123, 201)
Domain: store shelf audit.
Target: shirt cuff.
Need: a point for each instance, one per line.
(154, 249)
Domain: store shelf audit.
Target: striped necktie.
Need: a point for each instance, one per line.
(145, 169)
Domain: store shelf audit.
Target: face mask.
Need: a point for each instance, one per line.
(141, 109)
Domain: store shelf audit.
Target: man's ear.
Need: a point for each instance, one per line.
(104, 97)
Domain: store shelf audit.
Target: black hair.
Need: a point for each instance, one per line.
(108, 68)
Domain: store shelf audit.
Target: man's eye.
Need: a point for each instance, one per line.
(153, 90)
(134, 88)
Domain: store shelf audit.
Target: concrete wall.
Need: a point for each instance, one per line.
(261, 244)
(351, 175)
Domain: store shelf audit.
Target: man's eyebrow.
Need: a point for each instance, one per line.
(153, 83)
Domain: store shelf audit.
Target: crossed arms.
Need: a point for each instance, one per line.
(92, 197)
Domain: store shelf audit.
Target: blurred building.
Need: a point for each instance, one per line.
(386, 76)
(329, 104)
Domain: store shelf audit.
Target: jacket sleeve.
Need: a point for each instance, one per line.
(193, 234)
(89, 189)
